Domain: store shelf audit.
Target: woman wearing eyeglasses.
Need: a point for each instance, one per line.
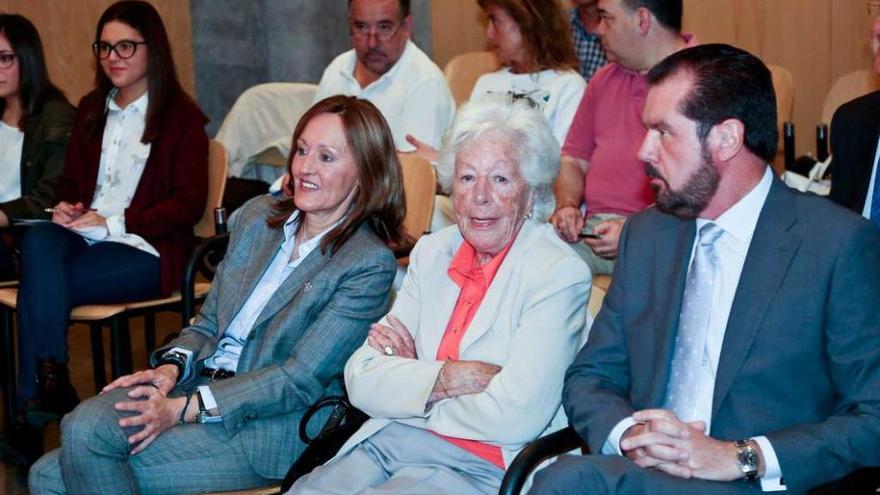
(134, 183)
(35, 122)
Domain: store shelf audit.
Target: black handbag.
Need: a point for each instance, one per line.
(344, 420)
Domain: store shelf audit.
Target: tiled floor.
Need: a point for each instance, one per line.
(82, 377)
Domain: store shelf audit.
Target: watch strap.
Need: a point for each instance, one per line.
(178, 359)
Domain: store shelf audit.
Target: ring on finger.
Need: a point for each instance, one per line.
(389, 351)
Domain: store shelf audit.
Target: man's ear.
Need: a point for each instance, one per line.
(645, 18)
(407, 24)
(726, 139)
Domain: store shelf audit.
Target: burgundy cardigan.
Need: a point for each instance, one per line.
(173, 188)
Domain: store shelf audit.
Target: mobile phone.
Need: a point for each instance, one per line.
(589, 235)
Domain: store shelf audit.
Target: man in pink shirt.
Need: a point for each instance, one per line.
(599, 166)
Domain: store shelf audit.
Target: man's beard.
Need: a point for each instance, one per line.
(694, 196)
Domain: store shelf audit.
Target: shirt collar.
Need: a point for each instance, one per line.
(307, 247)
(740, 219)
(140, 104)
(464, 265)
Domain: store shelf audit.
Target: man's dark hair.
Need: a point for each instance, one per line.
(729, 83)
(403, 8)
(667, 12)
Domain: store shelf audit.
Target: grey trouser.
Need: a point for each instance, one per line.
(94, 457)
(403, 460)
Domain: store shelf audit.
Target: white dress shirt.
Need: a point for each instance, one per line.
(872, 184)
(283, 264)
(123, 158)
(413, 95)
(11, 141)
(738, 223)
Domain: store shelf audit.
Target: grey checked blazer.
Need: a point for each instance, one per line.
(299, 344)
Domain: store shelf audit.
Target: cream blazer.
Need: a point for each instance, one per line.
(531, 323)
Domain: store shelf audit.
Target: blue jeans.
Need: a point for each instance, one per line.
(60, 271)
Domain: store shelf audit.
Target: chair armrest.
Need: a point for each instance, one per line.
(535, 453)
(204, 260)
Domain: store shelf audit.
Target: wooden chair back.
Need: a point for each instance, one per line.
(218, 163)
(848, 87)
(783, 85)
(420, 184)
(463, 71)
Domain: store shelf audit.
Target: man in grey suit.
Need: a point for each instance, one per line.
(738, 348)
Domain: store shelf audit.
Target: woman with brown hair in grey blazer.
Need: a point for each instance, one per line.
(301, 283)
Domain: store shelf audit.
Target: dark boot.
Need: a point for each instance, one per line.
(55, 394)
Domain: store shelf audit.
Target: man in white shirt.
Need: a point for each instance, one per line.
(390, 71)
(737, 348)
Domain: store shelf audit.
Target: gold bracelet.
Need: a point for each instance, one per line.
(441, 380)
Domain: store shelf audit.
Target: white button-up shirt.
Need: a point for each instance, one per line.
(123, 158)
(11, 142)
(413, 95)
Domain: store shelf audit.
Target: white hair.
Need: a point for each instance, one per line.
(536, 151)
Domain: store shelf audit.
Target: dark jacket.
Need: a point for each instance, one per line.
(855, 129)
(173, 188)
(46, 132)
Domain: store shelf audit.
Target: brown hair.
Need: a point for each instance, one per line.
(545, 30)
(162, 83)
(380, 199)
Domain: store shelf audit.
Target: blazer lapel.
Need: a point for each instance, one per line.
(488, 310)
(299, 279)
(671, 260)
(769, 256)
(264, 249)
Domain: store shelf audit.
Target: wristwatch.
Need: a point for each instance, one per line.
(747, 459)
(205, 416)
(176, 358)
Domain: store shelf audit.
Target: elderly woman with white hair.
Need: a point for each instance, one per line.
(468, 365)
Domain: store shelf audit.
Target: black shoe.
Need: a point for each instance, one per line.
(55, 394)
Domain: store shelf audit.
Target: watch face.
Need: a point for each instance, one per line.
(748, 460)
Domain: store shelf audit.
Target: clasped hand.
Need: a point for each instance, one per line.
(662, 441)
(155, 412)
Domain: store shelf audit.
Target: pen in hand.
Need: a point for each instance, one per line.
(56, 210)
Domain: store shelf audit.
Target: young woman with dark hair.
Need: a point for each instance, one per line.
(134, 183)
(35, 122)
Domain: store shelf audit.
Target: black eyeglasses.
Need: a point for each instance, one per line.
(6, 59)
(124, 49)
(383, 32)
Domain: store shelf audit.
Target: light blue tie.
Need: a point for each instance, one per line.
(690, 343)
